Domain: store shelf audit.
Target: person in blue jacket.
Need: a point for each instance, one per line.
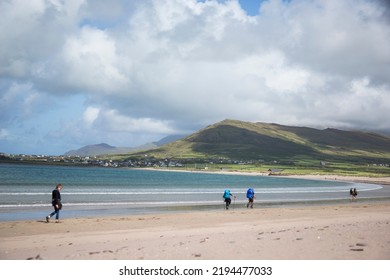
(250, 194)
(227, 198)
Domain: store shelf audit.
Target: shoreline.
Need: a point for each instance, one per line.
(328, 177)
(23, 213)
(343, 231)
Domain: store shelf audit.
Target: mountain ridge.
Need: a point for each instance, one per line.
(106, 149)
(235, 139)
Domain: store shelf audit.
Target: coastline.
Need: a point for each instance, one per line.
(348, 231)
(356, 179)
(328, 177)
(340, 230)
(106, 206)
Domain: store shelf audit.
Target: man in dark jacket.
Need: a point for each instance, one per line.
(56, 202)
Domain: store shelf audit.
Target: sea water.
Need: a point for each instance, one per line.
(25, 190)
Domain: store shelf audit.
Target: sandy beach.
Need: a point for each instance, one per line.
(329, 177)
(356, 230)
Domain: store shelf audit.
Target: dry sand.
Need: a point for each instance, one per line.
(356, 230)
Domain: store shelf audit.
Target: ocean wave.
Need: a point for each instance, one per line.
(144, 204)
(278, 190)
(134, 203)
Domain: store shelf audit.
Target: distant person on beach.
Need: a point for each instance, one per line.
(351, 193)
(250, 194)
(355, 193)
(227, 196)
(56, 202)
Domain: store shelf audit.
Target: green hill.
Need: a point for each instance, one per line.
(105, 149)
(238, 140)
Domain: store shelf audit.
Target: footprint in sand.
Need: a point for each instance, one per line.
(94, 253)
(361, 244)
(358, 249)
(120, 249)
(37, 257)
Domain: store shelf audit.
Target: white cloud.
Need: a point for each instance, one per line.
(4, 134)
(114, 121)
(91, 62)
(32, 32)
(90, 115)
(19, 101)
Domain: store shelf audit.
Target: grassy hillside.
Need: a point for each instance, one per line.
(237, 140)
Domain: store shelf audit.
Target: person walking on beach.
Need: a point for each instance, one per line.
(355, 193)
(227, 196)
(250, 194)
(56, 202)
(351, 193)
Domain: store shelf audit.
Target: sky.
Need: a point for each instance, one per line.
(125, 73)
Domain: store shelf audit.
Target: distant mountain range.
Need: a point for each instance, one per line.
(239, 140)
(105, 149)
(234, 139)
